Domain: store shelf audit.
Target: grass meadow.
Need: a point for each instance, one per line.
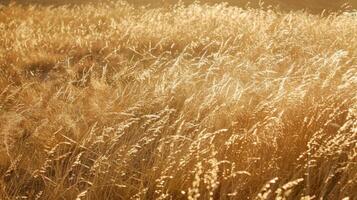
(114, 101)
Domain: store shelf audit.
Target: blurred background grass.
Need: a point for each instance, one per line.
(312, 5)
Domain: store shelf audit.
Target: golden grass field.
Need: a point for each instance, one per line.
(315, 6)
(108, 101)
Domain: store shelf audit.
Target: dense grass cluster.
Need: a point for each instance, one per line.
(200, 102)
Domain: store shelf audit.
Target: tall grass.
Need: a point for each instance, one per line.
(197, 102)
(315, 6)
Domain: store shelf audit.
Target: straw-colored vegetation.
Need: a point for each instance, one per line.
(198, 102)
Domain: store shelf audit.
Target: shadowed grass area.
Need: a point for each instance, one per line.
(115, 102)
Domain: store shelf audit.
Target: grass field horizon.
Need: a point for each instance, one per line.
(112, 101)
